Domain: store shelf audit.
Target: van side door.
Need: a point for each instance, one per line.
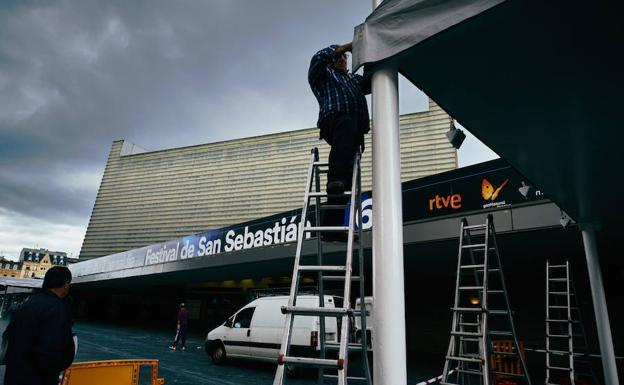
(237, 341)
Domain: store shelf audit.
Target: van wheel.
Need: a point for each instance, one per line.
(218, 354)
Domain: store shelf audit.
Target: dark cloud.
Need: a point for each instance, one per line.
(77, 74)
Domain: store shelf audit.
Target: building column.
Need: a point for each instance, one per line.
(600, 305)
(388, 282)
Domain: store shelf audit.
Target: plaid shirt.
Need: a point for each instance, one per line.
(337, 92)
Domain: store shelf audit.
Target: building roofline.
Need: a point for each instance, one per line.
(236, 139)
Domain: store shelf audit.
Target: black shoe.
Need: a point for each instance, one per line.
(335, 187)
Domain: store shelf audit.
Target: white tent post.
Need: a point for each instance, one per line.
(600, 305)
(388, 283)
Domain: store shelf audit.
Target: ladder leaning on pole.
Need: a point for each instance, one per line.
(481, 314)
(338, 364)
(566, 344)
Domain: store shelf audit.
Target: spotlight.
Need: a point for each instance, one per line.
(455, 136)
(524, 190)
(565, 219)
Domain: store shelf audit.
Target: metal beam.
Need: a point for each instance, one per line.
(600, 305)
(388, 282)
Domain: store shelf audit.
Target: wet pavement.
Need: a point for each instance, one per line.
(192, 367)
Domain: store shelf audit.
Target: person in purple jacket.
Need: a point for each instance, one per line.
(181, 329)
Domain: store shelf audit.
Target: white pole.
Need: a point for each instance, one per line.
(388, 285)
(600, 306)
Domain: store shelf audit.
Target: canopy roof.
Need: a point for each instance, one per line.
(538, 82)
(21, 282)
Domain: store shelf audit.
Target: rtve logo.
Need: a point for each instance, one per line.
(441, 202)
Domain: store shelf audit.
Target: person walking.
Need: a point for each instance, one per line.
(40, 340)
(343, 120)
(181, 329)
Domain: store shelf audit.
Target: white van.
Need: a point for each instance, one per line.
(255, 331)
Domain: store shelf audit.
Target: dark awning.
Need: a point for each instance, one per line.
(539, 82)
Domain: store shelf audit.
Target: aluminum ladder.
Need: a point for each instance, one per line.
(566, 342)
(337, 364)
(481, 314)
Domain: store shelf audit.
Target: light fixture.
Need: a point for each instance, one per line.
(455, 136)
(474, 301)
(565, 219)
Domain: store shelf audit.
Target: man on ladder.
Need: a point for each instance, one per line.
(343, 120)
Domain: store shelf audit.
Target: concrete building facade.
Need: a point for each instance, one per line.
(150, 197)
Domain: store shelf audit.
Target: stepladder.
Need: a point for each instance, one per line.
(567, 358)
(344, 269)
(483, 347)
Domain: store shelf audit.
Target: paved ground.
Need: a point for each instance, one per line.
(193, 367)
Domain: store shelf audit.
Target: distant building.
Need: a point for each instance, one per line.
(10, 268)
(33, 263)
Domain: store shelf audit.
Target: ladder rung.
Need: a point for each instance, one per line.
(336, 345)
(349, 379)
(489, 271)
(558, 279)
(469, 339)
(472, 266)
(467, 334)
(468, 309)
(326, 228)
(558, 335)
(324, 194)
(317, 164)
(469, 324)
(312, 362)
(498, 312)
(316, 311)
(465, 359)
(507, 374)
(471, 288)
(557, 307)
(495, 291)
(472, 227)
(557, 266)
(500, 333)
(474, 246)
(559, 368)
(560, 293)
(467, 371)
(321, 268)
(340, 278)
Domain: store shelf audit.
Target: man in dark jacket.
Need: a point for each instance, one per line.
(40, 342)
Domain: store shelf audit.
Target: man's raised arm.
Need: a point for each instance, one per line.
(322, 58)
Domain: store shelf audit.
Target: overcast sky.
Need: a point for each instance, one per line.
(77, 74)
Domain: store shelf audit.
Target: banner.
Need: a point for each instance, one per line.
(482, 187)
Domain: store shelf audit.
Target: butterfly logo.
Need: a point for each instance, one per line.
(488, 192)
